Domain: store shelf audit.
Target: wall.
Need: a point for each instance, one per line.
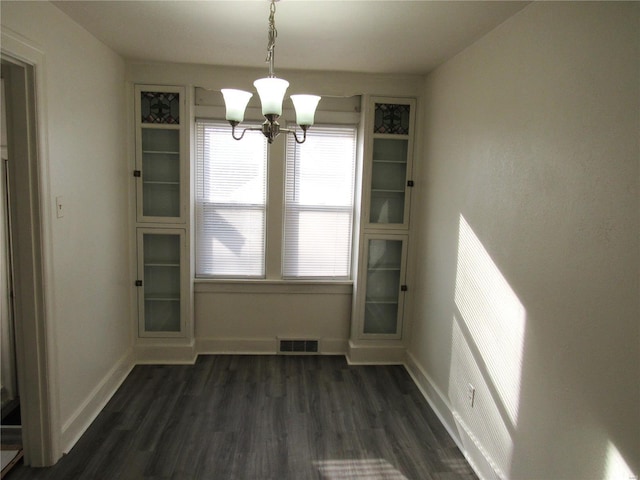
(249, 316)
(529, 245)
(84, 100)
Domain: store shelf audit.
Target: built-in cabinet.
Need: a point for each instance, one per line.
(161, 184)
(163, 280)
(161, 160)
(388, 164)
(383, 277)
(380, 286)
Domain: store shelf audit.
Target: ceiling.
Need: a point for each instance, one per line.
(372, 36)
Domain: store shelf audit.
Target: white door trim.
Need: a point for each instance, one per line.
(35, 337)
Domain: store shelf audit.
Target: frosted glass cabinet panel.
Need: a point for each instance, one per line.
(384, 285)
(160, 173)
(160, 158)
(161, 281)
(388, 180)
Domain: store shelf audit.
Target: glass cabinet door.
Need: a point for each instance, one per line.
(160, 162)
(384, 290)
(388, 180)
(390, 167)
(160, 173)
(160, 277)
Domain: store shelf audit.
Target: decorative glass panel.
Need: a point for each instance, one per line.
(391, 118)
(160, 107)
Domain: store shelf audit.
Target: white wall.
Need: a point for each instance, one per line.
(528, 241)
(85, 104)
(248, 317)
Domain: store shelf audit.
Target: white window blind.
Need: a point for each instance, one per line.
(230, 202)
(319, 195)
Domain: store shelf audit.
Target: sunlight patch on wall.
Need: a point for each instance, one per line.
(482, 427)
(487, 339)
(494, 316)
(371, 469)
(615, 466)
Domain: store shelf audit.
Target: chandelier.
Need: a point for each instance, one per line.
(271, 91)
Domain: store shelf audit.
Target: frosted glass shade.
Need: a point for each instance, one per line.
(236, 103)
(271, 91)
(305, 108)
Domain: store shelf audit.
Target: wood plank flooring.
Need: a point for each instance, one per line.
(263, 417)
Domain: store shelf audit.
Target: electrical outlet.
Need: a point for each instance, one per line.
(471, 394)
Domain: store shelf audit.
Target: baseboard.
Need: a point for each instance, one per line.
(165, 354)
(334, 346)
(261, 346)
(378, 354)
(466, 441)
(82, 418)
(238, 346)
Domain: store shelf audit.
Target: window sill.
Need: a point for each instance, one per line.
(306, 287)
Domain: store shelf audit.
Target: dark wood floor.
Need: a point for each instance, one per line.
(263, 417)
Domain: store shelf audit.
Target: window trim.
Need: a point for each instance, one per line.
(198, 206)
(350, 210)
(275, 203)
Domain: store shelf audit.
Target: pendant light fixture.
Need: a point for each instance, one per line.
(271, 91)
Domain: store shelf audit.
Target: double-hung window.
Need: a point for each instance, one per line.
(319, 195)
(239, 219)
(231, 202)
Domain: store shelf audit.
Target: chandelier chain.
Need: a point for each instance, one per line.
(273, 33)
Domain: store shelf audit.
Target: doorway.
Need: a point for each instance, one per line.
(25, 267)
(10, 417)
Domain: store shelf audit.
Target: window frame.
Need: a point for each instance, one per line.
(200, 206)
(350, 210)
(339, 111)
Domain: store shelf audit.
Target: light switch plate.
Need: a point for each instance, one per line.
(59, 207)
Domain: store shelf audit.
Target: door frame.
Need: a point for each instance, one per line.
(25, 68)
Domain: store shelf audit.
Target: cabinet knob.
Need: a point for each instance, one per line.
(403, 288)
(138, 283)
(137, 173)
(409, 183)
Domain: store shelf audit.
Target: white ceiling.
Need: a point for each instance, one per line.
(373, 36)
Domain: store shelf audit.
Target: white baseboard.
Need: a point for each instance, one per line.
(165, 354)
(334, 346)
(239, 346)
(261, 346)
(364, 354)
(82, 418)
(466, 441)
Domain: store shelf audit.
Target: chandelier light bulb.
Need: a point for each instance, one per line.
(271, 91)
(305, 106)
(236, 102)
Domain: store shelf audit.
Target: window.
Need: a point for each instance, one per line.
(230, 202)
(319, 194)
(244, 223)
